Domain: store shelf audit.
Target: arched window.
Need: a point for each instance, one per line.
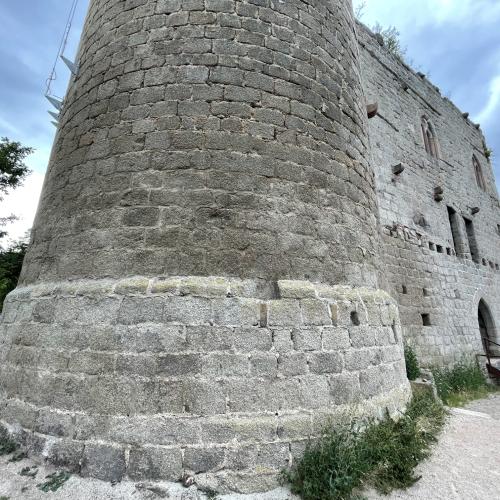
(430, 140)
(479, 173)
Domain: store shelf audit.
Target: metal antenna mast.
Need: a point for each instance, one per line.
(54, 100)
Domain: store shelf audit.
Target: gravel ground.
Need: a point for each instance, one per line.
(465, 465)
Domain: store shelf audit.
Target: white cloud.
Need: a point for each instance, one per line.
(488, 112)
(23, 203)
(411, 16)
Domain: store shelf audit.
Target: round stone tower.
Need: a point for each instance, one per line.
(200, 292)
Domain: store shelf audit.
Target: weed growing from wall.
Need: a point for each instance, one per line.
(384, 454)
(412, 368)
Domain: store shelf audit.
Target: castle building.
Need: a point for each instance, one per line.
(439, 211)
(228, 252)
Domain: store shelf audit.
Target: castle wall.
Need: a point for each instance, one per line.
(223, 138)
(418, 249)
(200, 293)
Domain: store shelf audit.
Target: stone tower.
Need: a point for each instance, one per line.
(200, 292)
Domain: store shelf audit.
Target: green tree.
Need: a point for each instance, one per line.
(13, 170)
(11, 262)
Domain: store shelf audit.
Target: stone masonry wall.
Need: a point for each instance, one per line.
(223, 141)
(423, 270)
(211, 137)
(153, 379)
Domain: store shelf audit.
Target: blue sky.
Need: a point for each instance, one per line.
(456, 41)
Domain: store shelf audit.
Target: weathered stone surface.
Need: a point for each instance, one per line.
(201, 290)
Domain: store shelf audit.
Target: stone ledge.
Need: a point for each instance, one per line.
(201, 286)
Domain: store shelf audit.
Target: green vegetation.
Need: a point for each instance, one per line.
(461, 383)
(412, 368)
(12, 168)
(11, 262)
(7, 446)
(17, 457)
(383, 454)
(54, 481)
(392, 42)
(29, 471)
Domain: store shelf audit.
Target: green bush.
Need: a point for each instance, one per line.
(460, 383)
(412, 368)
(11, 262)
(383, 454)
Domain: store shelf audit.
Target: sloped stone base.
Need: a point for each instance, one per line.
(222, 379)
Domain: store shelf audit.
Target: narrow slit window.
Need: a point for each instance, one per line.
(430, 141)
(478, 171)
(454, 220)
(471, 235)
(426, 319)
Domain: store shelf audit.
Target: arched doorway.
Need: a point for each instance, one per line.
(486, 327)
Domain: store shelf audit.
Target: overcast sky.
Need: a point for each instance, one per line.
(456, 41)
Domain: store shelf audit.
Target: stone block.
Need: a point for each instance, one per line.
(66, 453)
(315, 312)
(103, 462)
(264, 365)
(225, 365)
(335, 338)
(236, 312)
(179, 365)
(307, 339)
(188, 310)
(282, 339)
(132, 285)
(292, 363)
(157, 463)
(275, 456)
(344, 388)
(252, 339)
(325, 362)
(362, 336)
(284, 312)
(203, 459)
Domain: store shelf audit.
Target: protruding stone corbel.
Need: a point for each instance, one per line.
(372, 110)
(438, 193)
(475, 210)
(398, 169)
(405, 87)
(465, 115)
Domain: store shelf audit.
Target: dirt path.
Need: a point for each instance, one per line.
(464, 465)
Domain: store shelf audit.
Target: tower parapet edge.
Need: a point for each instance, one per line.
(200, 293)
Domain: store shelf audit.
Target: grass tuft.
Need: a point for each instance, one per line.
(54, 481)
(383, 454)
(461, 383)
(7, 446)
(412, 368)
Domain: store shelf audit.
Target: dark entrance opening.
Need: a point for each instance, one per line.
(474, 252)
(486, 327)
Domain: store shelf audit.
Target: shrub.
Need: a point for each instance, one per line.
(412, 368)
(460, 383)
(383, 454)
(11, 262)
